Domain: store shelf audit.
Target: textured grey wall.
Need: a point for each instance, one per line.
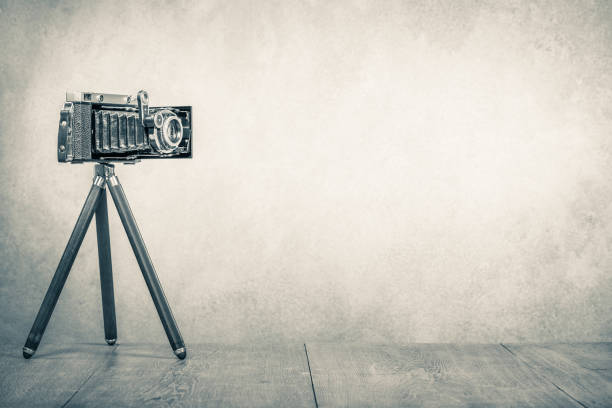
(367, 171)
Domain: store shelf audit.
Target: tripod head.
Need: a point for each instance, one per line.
(104, 169)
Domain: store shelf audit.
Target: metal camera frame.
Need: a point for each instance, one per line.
(95, 203)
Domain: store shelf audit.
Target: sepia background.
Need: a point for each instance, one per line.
(363, 171)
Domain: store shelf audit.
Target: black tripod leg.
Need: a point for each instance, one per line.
(63, 269)
(106, 270)
(146, 266)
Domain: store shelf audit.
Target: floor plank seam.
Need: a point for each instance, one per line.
(65, 404)
(508, 350)
(543, 377)
(574, 399)
(314, 393)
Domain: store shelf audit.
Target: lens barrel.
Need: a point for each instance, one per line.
(168, 132)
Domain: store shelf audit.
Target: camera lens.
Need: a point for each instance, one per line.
(168, 131)
(174, 130)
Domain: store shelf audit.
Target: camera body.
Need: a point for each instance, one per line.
(96, 127)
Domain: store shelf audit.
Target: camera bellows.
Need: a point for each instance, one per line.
(118, 131)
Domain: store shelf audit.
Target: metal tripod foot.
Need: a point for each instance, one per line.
(181, 352)
(28, 352)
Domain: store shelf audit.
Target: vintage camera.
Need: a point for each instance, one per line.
(104, 127)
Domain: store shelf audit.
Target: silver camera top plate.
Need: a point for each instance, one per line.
(107, 99)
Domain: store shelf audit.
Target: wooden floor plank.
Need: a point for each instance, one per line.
(427, 376)
(343, 375)
(211, 376)
(51, 377)
(583, 371)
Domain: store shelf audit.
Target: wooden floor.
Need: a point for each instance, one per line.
(312, 375)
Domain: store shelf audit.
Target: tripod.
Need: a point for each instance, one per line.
(96, 203)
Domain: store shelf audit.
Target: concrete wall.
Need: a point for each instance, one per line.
(363, 171)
